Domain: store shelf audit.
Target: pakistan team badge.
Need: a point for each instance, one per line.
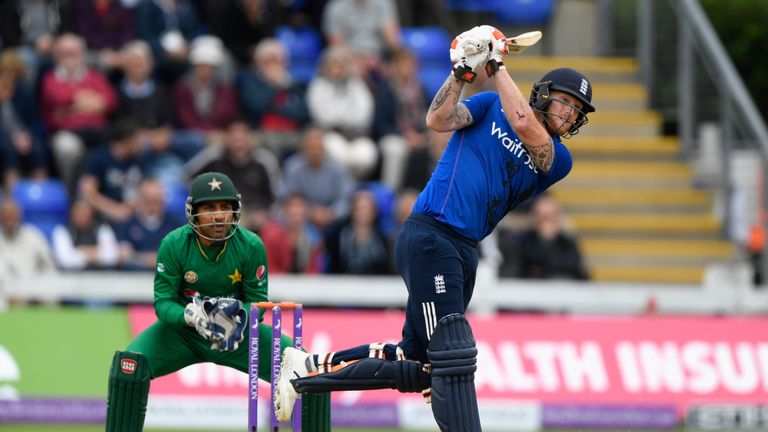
(236, 277)
(190, 277)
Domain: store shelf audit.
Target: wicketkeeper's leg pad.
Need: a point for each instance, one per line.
(316, 413)
(128, 391)
(453, 356)
(368, 374)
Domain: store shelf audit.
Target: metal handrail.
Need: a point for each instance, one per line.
(712, 50)
(695, 32)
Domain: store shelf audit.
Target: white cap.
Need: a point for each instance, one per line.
(207, 50)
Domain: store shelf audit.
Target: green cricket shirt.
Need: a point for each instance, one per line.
(186, 267)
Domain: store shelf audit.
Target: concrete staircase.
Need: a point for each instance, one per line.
(629, 199)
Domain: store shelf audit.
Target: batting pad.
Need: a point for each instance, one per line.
(128, 392)
(453, 356)
(368, 374)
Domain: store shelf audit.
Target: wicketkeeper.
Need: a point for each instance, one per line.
(208, 273)
(505, 149)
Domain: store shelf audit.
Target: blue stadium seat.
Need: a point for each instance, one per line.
(44, 203)
(471, 5)
(432, 78)
(304, 45)
(427, 43)
(532, 12)
(430, 45)
(175, 200)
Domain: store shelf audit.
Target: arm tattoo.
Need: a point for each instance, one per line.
(448, 95)
(520, 115)
(443, 95)
(542, 154)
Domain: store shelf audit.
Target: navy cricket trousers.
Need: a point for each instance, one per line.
(439, 267)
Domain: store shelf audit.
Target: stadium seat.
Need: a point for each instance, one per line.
(304, 45)
(432, 78)
(44, 203)
(471, 5)
(533, 12)
(429, 44)
(175, 200)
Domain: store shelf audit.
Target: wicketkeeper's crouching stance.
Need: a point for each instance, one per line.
(207, 274)
(505, 150)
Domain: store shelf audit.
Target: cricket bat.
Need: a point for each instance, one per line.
(518, 44)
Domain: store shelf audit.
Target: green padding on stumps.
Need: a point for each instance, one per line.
(316, 412)
(128, 392)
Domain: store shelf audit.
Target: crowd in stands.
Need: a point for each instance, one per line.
(124, 101)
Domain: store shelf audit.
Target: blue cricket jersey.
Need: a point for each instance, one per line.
(485, 171)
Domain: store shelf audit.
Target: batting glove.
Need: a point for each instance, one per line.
(469, 50)
(498, 43)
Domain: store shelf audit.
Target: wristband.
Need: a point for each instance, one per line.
(464, 73)
(493, 66)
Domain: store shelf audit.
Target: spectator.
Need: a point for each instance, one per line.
(370, 29)
(255, 171)
(546, 250)
(271, 102)
(403, 126)
(168, 26)
(85, 244)
(167, 150)
(23, 248)
(146, 101)
(141, 97)
(422, 159)
(403, 207)
(293, 244)
(341, 103)
(21, 148)
(76, 103)
(204, 101)
(31, 25)
(141, 234)
(242, 24)
(105, 25)
(323, 181)
(112, 173)
(357, 245)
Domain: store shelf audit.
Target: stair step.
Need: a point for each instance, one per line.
(649, 274)
(630, 123)
(628, 96)
(602, 146)
(657, 248)
(597, 69)
(600, 118)
(645, 223)
(578, 197)
(608, 170)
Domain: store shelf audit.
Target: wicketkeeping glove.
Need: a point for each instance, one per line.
(469, 50)
(498, 44)
(228, 318)
(196, 315)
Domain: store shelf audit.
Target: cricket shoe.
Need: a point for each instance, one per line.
(294, 366)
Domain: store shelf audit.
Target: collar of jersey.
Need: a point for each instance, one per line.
(202, 250)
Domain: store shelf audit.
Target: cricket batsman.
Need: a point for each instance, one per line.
(505, 149)
(208, 273)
